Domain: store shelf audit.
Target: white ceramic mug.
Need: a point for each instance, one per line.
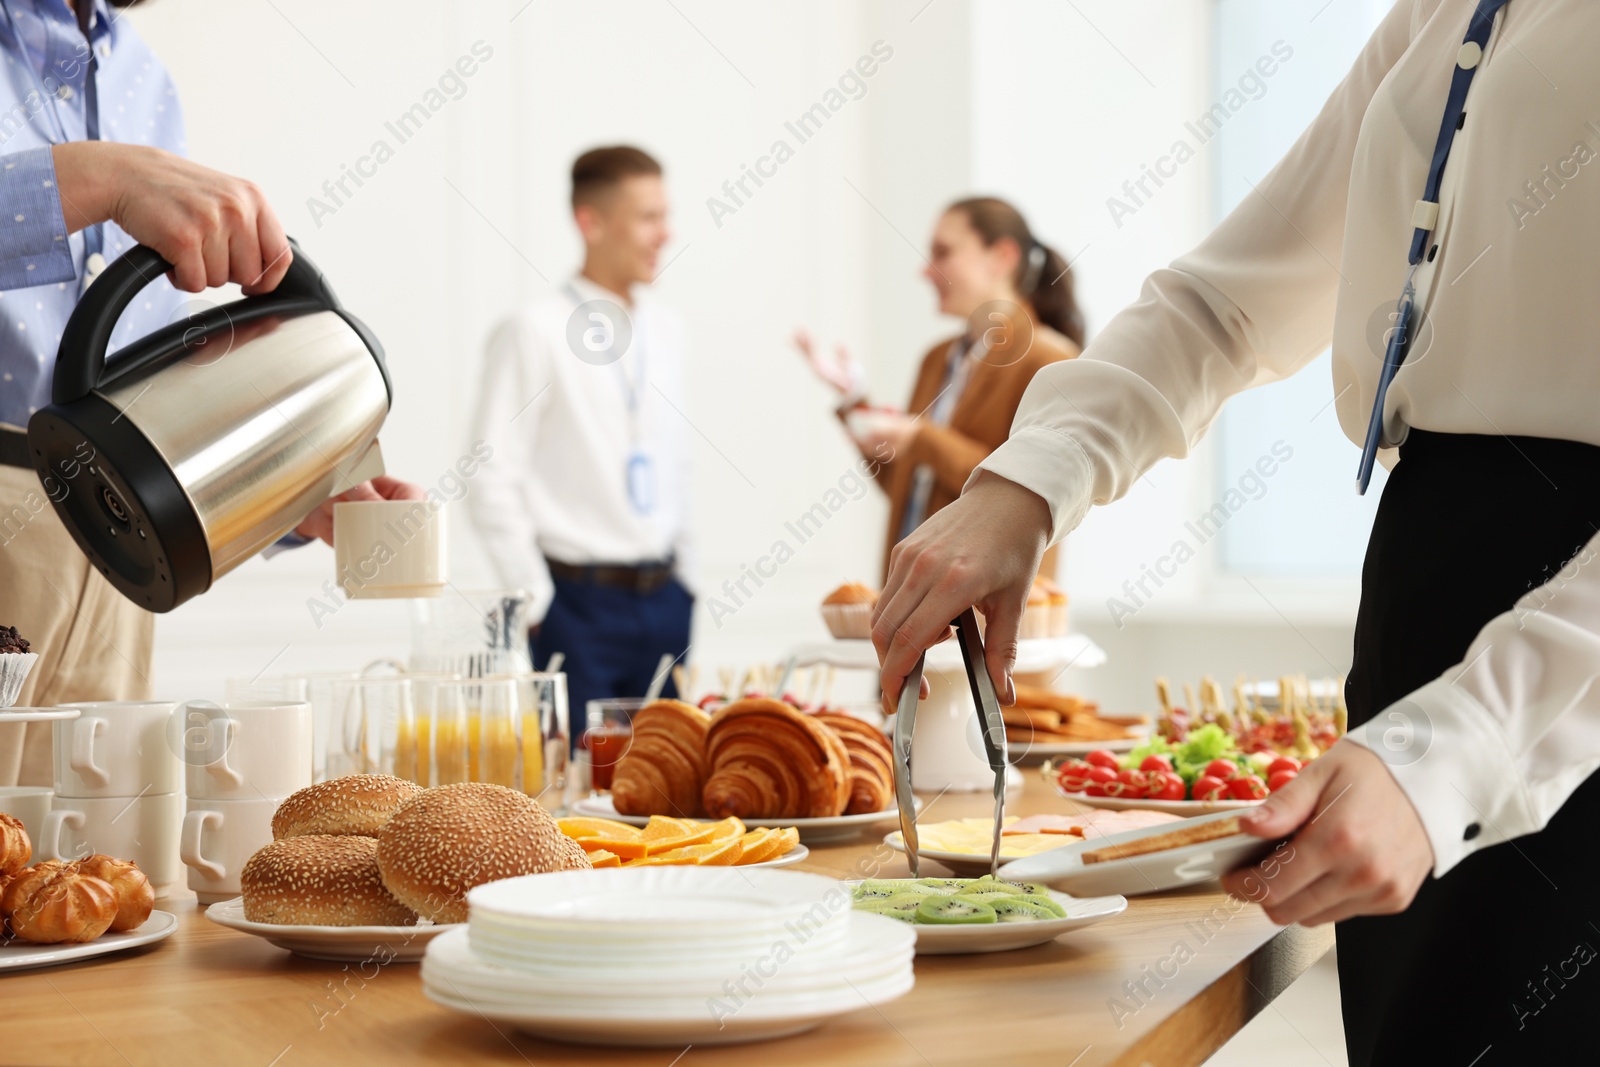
(116, 748)
(143, 829)
(29, 803)
(390, 548)
(244, 749)
(218, 836)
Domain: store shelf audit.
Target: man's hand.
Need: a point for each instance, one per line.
(211, 227)
(320, 522)
(981, 551)
(1359, 847)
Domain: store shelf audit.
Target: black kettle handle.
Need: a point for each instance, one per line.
(81, 359)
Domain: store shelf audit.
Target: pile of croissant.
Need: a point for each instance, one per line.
(753, 759)
(59, 900)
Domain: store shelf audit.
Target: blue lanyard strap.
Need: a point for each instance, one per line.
(1424, 218)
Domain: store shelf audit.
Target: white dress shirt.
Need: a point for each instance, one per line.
(1318, 253)
(557, 484)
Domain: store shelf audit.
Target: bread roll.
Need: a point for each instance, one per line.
(355, 804)
(577, 858)
(320, 880)
(55, 902)
(15, 848)
(770, 761)
(136, 898)
(446, 840)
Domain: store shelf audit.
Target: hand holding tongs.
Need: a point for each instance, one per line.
(991, 726)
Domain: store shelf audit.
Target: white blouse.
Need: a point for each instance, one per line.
(1511, 319)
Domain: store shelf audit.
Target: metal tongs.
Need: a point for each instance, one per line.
(991, 726)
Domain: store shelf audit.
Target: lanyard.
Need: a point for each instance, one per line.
(639, 469)
(1424, 218)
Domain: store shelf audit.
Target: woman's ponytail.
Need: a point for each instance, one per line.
(1043, 278)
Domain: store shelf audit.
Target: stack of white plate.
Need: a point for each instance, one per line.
(667, 955)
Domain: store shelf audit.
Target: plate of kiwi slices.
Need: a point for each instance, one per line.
(953, 916)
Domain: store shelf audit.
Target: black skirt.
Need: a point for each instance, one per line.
(1498, 962)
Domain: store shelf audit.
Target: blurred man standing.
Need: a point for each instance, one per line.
(586, 504)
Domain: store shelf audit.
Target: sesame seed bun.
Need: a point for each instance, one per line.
(320, 880)
(444, 841)
(355, 804)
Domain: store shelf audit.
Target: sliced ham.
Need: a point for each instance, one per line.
(1096, 823)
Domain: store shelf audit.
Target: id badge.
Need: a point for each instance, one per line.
(641, 483)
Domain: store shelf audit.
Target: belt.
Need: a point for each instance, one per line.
(639, 578)
(14, 449)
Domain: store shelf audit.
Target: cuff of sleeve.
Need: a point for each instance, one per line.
(1050, 464)
(34, 249)
(1449, 756)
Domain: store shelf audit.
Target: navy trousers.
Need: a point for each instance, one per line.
(613, 639)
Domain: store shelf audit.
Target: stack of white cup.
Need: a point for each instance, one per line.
(116, 789)
(241, 759)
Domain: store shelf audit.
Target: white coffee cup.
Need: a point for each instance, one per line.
(30, 804)
(390, 548)
(218, 836)
(245, 749)
(143, 829)
(116, 749)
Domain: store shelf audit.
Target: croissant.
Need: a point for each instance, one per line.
(56, 902)
(770, 761)
(664, 769)
(15, 848)
(871, 762)
(136, 898)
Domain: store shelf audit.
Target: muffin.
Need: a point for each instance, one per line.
(1036, 615)
(16, 660)
(848, 611)
(1058, 607)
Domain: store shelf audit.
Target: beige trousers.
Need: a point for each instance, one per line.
(93, 643)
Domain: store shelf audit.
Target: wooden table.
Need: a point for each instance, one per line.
(1166, 983)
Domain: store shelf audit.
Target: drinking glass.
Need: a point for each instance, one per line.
(372, 728)
(607, 737)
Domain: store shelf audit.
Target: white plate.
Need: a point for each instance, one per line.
(1182, 808)
(1056, 749)
(960, 940)
(38, 715)
(346, 944)
(961, 864)
(812, 831)
(1153, 872)
(19, 955)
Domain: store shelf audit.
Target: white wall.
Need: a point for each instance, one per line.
(1045, 103)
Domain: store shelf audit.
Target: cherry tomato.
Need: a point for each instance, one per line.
(1208, 787)
(710, 699)
(1283, 763)
(1156, 763)
(1101, 758)
(1073, 775)
(1225, 769)
(1247, 788)
(1167, 786)
(1278, 779)
(1098, 779)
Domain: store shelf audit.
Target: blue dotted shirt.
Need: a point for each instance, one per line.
(41, 104)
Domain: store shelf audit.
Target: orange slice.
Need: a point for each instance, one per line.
(728, 829)
(578, 827)
(711, 854)
(601, 858)
(635, 848)
(665, 827)
(774, 844)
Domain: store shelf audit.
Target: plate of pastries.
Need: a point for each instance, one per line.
(1044, 723)
(60, 911)
(764, 762)
(373, 867)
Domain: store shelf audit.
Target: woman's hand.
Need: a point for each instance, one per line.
(886, 434)
(981, 551)
(211, 227)
(1358, 846)
(319, 524)
(842, 372)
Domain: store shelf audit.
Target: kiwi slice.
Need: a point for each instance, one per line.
(1047, 902)
(1032, 889)
(987, 888)
(902, 906)
(946, 910)
(884, 888)
(945, 885)
(1015, 909)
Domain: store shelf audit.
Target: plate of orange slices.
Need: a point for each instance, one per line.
(665, 841)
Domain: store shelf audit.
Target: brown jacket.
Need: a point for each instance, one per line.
(979, 424)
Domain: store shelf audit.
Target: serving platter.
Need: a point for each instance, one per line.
(1182, 808)
(1044, 750)
(1063, 868)
(344, 944)
(812, 831)
(970, 939)
(961, 864)
(19, 955)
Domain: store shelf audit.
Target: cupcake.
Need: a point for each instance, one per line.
(1058, 606)
(15, 662)
(848, 611)
(1036, 615)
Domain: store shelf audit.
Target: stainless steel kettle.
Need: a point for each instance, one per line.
(206, 441)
